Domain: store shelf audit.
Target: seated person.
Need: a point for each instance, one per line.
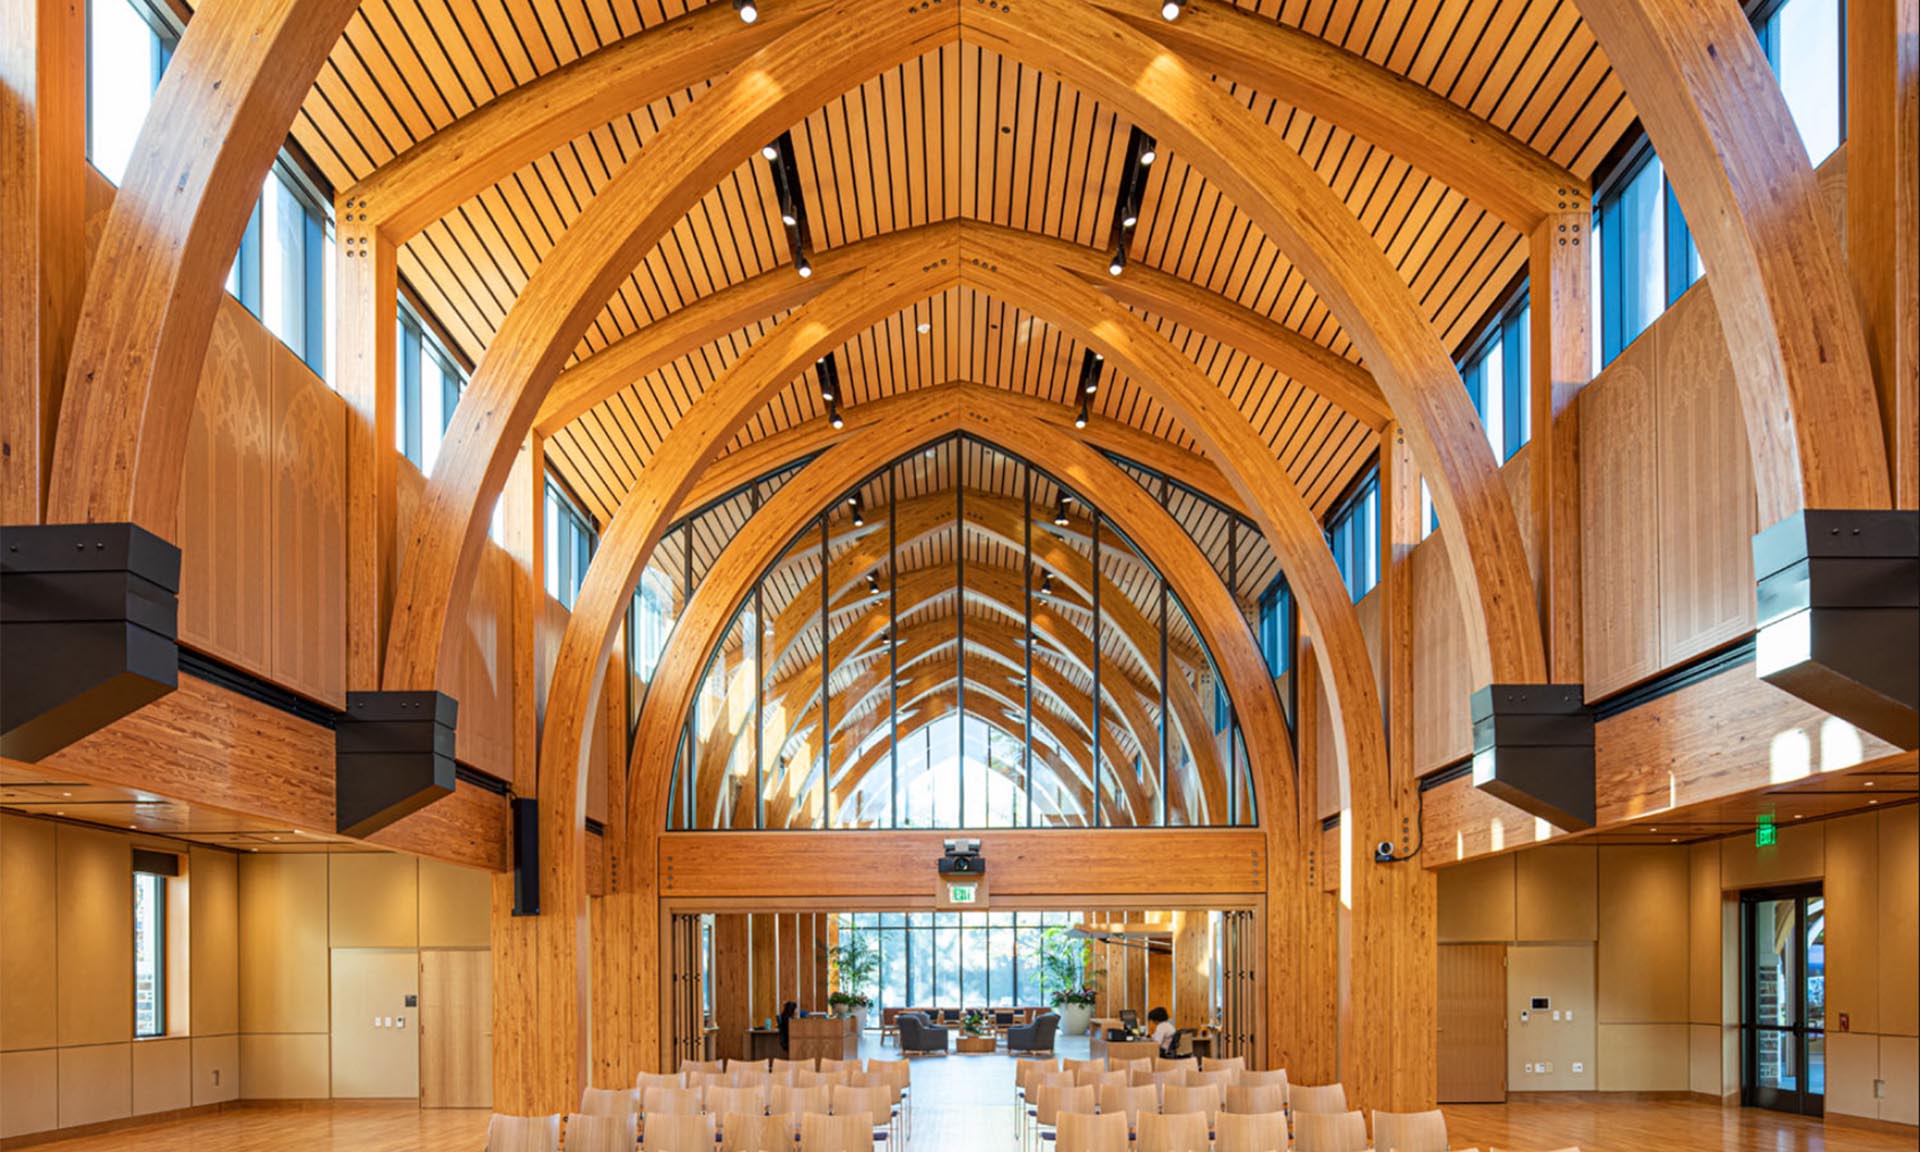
(1163, 1030)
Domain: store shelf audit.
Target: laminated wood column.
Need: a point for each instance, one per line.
(732, 984)
(1387, 1051)
(765, 951)
(43, 235)
(367, 375)
(1192, 999)
(1560, 265)
(614, 978)
(821, 934)
(1316, 1058)
(787, 965)
(1883, 217)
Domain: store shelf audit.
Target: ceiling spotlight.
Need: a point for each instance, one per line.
(826, 393)
(1079, 421)
(1170, 9)
(859, 517)
(770, 152)
(1060, 511)
(788, 218)
(1046, 583)
(1147, 157)
(834, 418)
(923, 327)
(748, 10)
(1119, 262)
(802, 266)
(1129, 220)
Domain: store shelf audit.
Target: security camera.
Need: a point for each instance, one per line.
(1383, 852)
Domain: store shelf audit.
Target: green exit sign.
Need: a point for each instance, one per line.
(962, 893)
(1765, 834)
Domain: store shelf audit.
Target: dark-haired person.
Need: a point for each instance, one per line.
(1163, 1030)
(787, 1012)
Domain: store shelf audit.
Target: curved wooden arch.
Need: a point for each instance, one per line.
(217, 121)
(605, 373)
(1799, 349)
(1002, 420)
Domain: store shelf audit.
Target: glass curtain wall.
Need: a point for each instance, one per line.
(950, 959)
(960, 642)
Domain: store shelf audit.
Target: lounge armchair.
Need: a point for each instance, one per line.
(918, 1035)
(1035, 1037)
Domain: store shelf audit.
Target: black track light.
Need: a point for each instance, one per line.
(1170, 9)
(1080, 418)
(747, 10)
(1060, 510)
(1148, 155)
(802, 265)
(1114, 267)
(834, 418)
(770, 152)
(859, 513)
(1046, 583)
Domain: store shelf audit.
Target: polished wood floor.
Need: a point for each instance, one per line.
(965, 1103)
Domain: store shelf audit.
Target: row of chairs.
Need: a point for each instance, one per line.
(702, 1132)
(1099, 1132)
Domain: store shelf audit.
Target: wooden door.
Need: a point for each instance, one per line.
(456, 1028)
(1472, 1035)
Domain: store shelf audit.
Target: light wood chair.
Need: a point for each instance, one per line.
(750, 1075)
(1248, 1132)
(745, 1132)
(873, 1100)
(1196, 1078)
(678, 1132)
(523, 1133)
(794, 1100)
(1143, 1064)
(1085, 1132)
(1074, 1066)
(1409, 1131)
(669, 1102)
(1259, 1079)
(703, 1065)
(849, 1133)
(1054, 1098)
(646, 1080)
(1201, 1098)
(828, 1065)
(1223, 1063)
(1254, 1099)
(1317, 1098)
(741, 1100)
(1118, 1076)
(780, 1065)
(1171, 1064)
(602, 1132)
(1173, 1132)
(609, 1101)
(1129, 1101)
(1329, 1131)
(1168, 1077)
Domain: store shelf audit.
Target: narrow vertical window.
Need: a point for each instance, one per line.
(149, 954)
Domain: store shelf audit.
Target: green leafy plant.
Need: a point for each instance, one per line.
(974, 1024)
(854, 963)
(1065, 976)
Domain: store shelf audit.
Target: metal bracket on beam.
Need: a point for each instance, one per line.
(1838, 594)
(1533, 748)
(89, 630)
(393, 755)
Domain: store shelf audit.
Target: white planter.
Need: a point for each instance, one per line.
(1075, 1018)
(860, 1019)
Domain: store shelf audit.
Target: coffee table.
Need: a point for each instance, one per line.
(974, 1045)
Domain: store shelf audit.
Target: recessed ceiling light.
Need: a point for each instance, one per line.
(59, 813)
(1869, 783)
(923, 326)
(1873, 801)
(69, 793)
(1799, 815)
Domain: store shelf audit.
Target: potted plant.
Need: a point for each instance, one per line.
(974, 1023)
(1064, 977)
(1075, 1006)
(853, 964)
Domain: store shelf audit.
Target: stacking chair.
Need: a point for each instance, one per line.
(1265, 1132)
(1329, 1131)
(1254, 1099)
(749, 1075)
(523, 1133)
(780, 1066)
(1201, 1098)
(1222, 1080)
(1129, 1102)
(1161, 1081)
(852, 1132)
(1061, 1079)
(1053, 1099)
(793, 1100)
(690, 1066)
(875, 1101)
(743, 1100)
(609, 1101)
(1410, 1131)
(1086, 1132)
(828, 1065)
(679, 1133)
(1173, 1132)
(1073, 1067)
(1100, 1080)
(646, 1080)
(1223, 1063)
(1171, 1064)
(1252, 1079)
(669, 1102)
(897, 1075)
(1317, 1098)
(746, 1133)
(602, 1132)
(1143, 1064)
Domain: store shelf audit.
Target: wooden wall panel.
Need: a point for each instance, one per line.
(226, 514)
(732, 997)
(29, 1011)
(213, 928)
(1554, 894)
(1475, 902)
(96, 1083)
(308, 594)
(1442, 674)
(283, 952)
(1618, 504)
(1706, 496)
(764, 959)
(787, 933)
(455, 904)
(1192, 999)
(162, 1075)
(1643, 914)
(1900, 928)
(1113, 862)
(373, 900)
(29, 1092)
(95, 931)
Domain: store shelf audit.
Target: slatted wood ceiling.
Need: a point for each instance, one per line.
(961, 132)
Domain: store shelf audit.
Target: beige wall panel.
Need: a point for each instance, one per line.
(284, 1067)
(29, 1008)
(283, 950)
(1564, 974)
(162, 1075)
(213, 927)
(96, 1084)
(1643, 937)
(1854, 934)
(1853, 1063)
(1475, 901)
(1554, 892)
(216, 1069)
(1799, 855)
(1618, 480)
(368, 1061)
(1643, 1058)
(29, 1092)
(1900, 925)
(95, 932)
(455, 904)
(1707, 515)
(226, 513)
(309, 551)
(1704, 1073)
(1442, 720)
(375, 900)
(1900, 1068)
(1704, 945)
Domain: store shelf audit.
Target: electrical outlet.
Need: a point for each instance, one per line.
(1879, 1089)
(1529, 1067)
(1547, 1067)
(1579, 1067)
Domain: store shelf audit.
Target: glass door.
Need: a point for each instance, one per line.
(1783, 1000)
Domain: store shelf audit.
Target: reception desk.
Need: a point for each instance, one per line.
(1101, 1048)
(823, 1037)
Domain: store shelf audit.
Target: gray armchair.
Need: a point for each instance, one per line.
(1035, 1037)
(918, 1035)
